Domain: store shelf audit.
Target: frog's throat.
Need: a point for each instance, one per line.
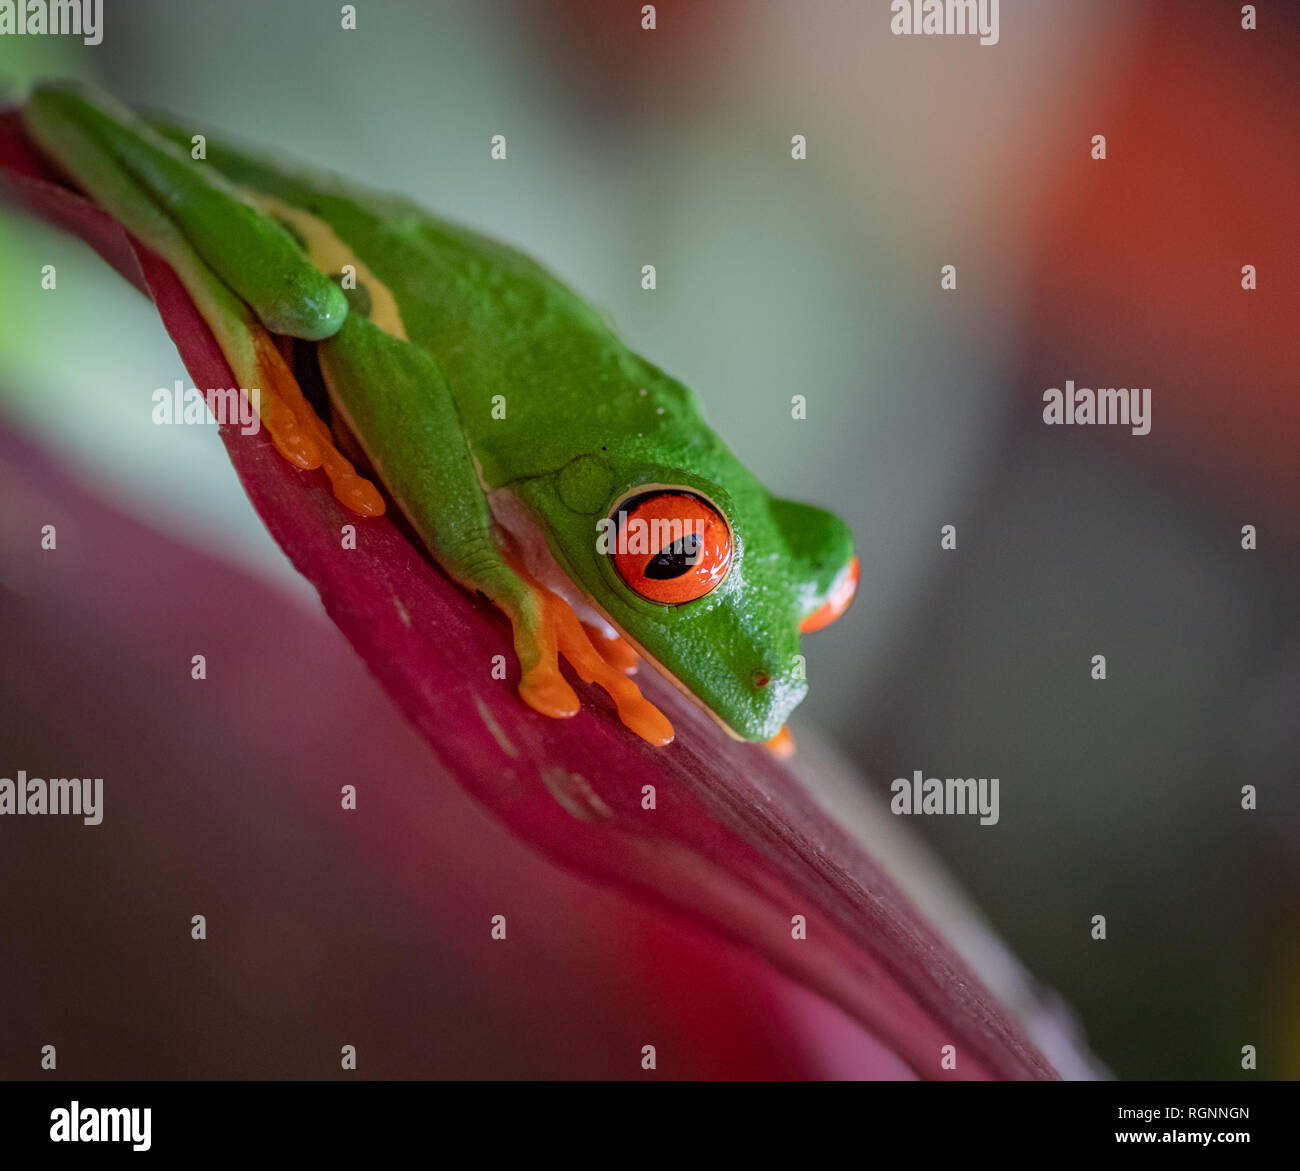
(517, 520)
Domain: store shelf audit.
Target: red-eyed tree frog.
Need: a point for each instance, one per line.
(541, 461)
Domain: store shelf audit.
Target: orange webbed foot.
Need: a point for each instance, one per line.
(545, 628)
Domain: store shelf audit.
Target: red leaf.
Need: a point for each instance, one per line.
(735, 840)
(321, 916)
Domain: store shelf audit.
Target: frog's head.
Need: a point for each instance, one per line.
(708, 575)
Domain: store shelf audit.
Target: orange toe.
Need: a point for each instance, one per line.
(615, 651)
(545, 690)
(781, 745)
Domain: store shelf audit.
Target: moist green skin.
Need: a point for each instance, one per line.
(587, 421)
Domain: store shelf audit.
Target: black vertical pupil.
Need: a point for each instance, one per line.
(675, 560)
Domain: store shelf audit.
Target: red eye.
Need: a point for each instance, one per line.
(672, 547)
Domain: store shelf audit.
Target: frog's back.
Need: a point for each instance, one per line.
(512, 339)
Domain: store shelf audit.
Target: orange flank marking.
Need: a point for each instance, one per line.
(301, 436)
(615, 651)
(846, 585)
(782, 744)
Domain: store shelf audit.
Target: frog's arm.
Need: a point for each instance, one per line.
(444, 500)
(245, 302)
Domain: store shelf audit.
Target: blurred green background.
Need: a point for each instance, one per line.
(821, 278)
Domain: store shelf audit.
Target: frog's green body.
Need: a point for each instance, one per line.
(490, 375)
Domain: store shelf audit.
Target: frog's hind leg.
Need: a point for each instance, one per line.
(79, 137)
(247, 249)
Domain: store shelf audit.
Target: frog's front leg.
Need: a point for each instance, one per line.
(392, 395)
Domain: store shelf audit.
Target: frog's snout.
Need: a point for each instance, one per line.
(775, 689)
(774, 682)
